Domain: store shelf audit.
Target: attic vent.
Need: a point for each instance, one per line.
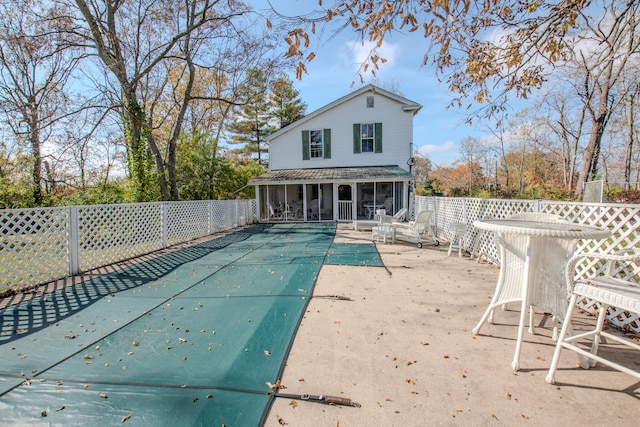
(370, 101)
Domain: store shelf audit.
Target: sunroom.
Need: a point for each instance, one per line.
(331, 194)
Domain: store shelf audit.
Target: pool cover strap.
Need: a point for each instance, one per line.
(328, 400)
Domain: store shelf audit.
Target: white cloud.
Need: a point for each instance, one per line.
(429, 149)
(358, 53)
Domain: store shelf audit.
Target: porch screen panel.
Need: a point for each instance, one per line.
(306, 149)
(378, 138)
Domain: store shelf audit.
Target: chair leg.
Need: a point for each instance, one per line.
(563, 335)
(602, 312)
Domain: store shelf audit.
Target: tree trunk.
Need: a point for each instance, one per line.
(34, 141)
(631, 133)
(135, 128)
(160, 167)
(592, 151)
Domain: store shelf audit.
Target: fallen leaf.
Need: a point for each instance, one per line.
(281, 421)
(507, 396)
(125, 418)
(293, 404)
(103, 395)
(267, 352)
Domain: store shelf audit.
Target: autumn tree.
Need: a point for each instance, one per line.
(35, 66)
(131, 39)
(602, 53)
(475, 46)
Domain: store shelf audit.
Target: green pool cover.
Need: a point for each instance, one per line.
(192, 337)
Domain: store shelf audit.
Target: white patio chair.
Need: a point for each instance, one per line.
(612, 289)
(275, 212)
(458, 231)
(415, 231)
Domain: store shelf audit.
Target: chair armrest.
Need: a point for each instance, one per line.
(625, 255)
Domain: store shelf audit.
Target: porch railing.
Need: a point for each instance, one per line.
(44, 244)
(345, 210)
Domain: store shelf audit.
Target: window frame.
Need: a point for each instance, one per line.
(319, 152)
(369, 139)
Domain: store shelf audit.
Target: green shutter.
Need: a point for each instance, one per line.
(378, 138)
(357, 146)
(306, 149)
(327, 143)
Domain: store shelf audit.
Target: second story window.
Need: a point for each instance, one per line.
(317, 145)
(367, 137)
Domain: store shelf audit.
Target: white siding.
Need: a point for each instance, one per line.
(397, 136)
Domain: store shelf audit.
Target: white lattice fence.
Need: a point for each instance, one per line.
(187, 221)
(33, 246)
(110, 233)
(41, 245)
(622, 220)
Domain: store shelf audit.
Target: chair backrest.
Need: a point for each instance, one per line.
(422, 221)
(400, 214)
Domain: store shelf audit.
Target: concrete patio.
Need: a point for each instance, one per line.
(403, 349)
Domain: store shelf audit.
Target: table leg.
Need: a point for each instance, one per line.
(525, 305)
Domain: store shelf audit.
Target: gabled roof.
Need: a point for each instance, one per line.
(407, 105)
(318, 175)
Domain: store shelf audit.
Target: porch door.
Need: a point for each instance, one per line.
(345, 202)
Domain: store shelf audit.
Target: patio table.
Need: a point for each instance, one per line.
(533, 258)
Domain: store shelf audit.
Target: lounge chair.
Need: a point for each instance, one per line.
(415, 232)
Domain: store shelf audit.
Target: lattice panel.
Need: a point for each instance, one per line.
(223, 215)
(110, 233)
(186, 221)
(33, 246)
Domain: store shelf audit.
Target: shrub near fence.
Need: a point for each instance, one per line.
(622, 219)
(43, 244)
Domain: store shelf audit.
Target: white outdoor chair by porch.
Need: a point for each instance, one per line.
(617, 287)
(417, 230)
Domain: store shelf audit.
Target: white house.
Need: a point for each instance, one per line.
(341, 162)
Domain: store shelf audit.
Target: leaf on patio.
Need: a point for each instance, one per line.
(293, 404)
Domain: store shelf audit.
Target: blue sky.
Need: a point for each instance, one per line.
(437, 130)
